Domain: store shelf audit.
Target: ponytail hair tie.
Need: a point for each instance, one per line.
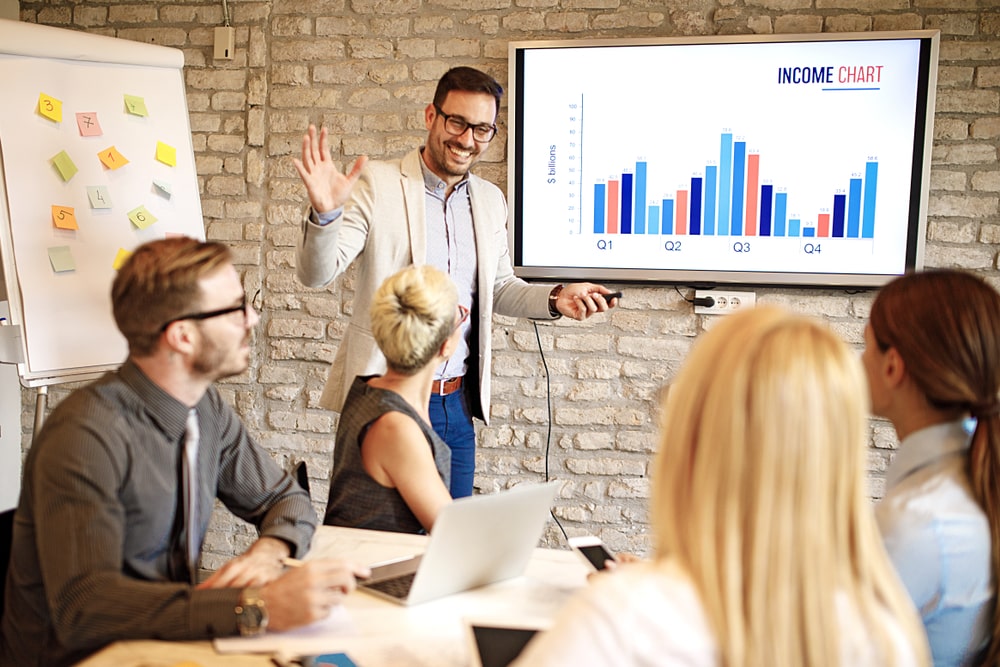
(990, 409)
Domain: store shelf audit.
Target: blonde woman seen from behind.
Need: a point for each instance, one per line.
(390, 469)
(766, 550)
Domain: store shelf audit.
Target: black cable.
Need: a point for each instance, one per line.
(548, 433)
(706, 301)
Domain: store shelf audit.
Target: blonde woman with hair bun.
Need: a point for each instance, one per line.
(390, 469)
(766, 548)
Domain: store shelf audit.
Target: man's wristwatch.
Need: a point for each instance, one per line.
(251, 613)
(553, 297)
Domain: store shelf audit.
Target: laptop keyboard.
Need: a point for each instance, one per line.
(397, 587)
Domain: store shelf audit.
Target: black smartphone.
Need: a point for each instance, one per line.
(592, 549)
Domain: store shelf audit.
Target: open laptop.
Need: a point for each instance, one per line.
(476, 541)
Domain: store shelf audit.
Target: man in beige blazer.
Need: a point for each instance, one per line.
(426, 208)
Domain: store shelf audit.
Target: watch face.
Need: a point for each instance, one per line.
(251, 617)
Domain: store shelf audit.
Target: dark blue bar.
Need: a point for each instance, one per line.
(809, 232)
(765, 209)
(599, 207)
(694, 203)
(708, 229)
(739, 175)
(626, 227)
(854, 209)
(839, 203)
(668, 216)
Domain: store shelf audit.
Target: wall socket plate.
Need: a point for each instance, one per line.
(225, 42)
(725, 302)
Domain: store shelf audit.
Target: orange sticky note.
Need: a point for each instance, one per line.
(120, 258)
(50, 107)
(166, 154)
(64, 217)
(141, 217)
(136, 105)
(111, 158)
(64, 165)
(88, 124)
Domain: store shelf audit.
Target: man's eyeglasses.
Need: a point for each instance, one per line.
(456, 126)
(244, 306)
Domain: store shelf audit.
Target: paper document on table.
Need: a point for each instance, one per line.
(313, 638)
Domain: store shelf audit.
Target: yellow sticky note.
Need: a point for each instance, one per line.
(61, 259)
(120, 258)
(88, 124)
(136, 105)
(166, 154)
(141, 217)
(111, 158)
(50, 107)
(64, 164)
(64, 217)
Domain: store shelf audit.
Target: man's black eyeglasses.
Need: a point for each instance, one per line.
(456, 126)
(210, 314)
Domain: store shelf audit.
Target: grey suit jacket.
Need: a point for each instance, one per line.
(384, 224)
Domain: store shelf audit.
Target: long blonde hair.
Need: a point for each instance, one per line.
(761, 497)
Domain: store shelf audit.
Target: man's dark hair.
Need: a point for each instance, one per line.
(468, 80)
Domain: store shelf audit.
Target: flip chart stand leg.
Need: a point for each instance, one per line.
(41, 400)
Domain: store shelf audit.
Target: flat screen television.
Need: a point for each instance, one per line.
(797, 160)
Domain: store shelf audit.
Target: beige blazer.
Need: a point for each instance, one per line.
(384, 226)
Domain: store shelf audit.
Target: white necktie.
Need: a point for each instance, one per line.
(191, 436)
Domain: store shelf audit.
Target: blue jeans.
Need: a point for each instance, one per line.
(452, 421)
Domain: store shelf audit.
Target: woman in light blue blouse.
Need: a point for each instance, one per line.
(932, 356)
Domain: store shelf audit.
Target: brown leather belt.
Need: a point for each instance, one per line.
(445, 387)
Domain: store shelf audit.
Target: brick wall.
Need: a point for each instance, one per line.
(365, 69)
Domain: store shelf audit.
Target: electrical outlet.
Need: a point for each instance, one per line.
(725, 302)
(225, 42)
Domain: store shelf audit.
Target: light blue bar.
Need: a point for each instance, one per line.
(780, 211)
(654, 217)
(708, 213)
(639, 203)
(854, 209)
(809, 232)
(725, 182)
(868, 217)
(739, 175)
(793, 226)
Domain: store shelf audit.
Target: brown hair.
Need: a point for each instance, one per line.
(159, 282)
(468, 80)
(945, 325)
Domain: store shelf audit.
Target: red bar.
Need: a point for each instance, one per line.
(823, 225)
(612, 226)
(681, 221)
(753, 177)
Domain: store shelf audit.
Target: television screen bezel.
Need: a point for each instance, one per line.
(919, 186)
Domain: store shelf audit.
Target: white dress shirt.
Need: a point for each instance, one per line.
(939, 540)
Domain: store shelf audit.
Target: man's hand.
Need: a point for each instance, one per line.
(306, 594)
(260, 564)
(328, 189)
(581, 300)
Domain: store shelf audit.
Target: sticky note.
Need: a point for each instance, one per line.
(166, 154)
(61, 259)
(99, 196)
(64, 217)
(64, 165)
(135, 105)
(163, 187)
(120, 258)
(88, 124)
(50, 107)
(141, 217)
(111, 158)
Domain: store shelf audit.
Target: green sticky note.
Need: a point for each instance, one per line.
(61, 259)
(99, 196)
(141, 217)
(136, 105)
(64, 165)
